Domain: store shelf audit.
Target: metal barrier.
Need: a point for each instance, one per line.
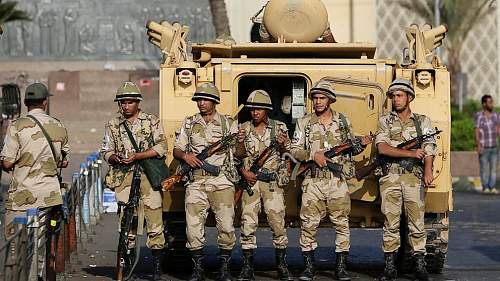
(45, 239)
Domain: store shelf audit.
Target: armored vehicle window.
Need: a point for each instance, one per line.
(288, 95)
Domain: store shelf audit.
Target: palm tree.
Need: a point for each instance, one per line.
(219, 17)
(461, 16)
(8, 12)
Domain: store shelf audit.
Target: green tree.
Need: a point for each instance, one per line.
(219, 18)
(461, 16)
(8, 12)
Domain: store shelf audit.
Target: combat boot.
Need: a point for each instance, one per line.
(282, 266)
(224, 274)
(341, 267)
(157, 262)
(198, 272)
(246, 273)
(390, 271)
(309, 268)
(420, 270)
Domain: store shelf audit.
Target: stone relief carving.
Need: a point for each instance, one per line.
(94, 30)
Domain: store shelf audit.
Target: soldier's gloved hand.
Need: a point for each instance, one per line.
(250, 177)
(114, 159)
(191, 160)
(320, 158)
(418, 153)
(241, 135)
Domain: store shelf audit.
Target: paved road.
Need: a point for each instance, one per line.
(474, 250)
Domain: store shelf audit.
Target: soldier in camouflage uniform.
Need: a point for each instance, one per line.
(206, 189)
(401, 187)
(324, 191)
(119, 152)
(27, 153)
(253, 138)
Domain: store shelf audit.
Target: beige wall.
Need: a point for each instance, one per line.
(240, 12)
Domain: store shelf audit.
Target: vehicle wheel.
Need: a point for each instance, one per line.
(177, 257)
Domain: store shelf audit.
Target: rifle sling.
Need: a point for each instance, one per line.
(49, 140)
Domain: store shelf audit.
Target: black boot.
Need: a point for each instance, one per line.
(390, 271)
(198, 272)
(420, 270)
(157, 261)
(309, 270)
(246, 273)
(224, 274)
(281, 266)
(341, 267)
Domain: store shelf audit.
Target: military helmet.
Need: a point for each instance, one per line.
(36, 91)
(128, 91)
(400, 84)
(207, 91)
(323, 87)
(259, 99)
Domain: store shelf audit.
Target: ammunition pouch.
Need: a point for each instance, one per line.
(403, 165)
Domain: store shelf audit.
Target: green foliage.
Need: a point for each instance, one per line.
(8, 12)
(462, 126)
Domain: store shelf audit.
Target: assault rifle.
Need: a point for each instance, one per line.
(207, 152)
(125, 262)
(407, 163)
(343, 148)
(255, 168)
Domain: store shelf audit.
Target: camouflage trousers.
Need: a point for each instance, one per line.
(150, 210)
(322, 196)
(400, 192)
(10, 229)
(198, 200)
(274, 208)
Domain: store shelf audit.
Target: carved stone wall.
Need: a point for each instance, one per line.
(479, 56)
(98, 29)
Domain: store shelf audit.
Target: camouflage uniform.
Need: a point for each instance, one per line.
(401, 186)
(323, 192)
(205, 191)
(148, 134)
(34, 182)
(270, 193)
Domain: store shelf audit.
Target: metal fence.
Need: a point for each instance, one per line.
(45, 240)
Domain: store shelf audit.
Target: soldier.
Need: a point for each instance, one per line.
(400, 184)
(209, 186)
(119, 152)
(325, 191)
(253, 138)
(34, 161)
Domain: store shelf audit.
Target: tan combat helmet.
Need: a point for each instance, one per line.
(128, 91)
(207, 91)
(259, 99)
(323, 87)
(400, 84)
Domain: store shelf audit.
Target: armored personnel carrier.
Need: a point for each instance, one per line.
(294, 48)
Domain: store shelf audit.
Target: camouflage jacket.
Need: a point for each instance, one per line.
(34, 182)
(310, 136)
(393, 131)
(195, 134)
(148, 134)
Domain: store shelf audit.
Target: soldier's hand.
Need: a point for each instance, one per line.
(191, 160)
(131, 159)
(250, 177)
(63, 164)
(419, 153)
(320, 158)
(366, 140)
(241, 135)
(114, 159)
(283, 139)
(428, 178)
